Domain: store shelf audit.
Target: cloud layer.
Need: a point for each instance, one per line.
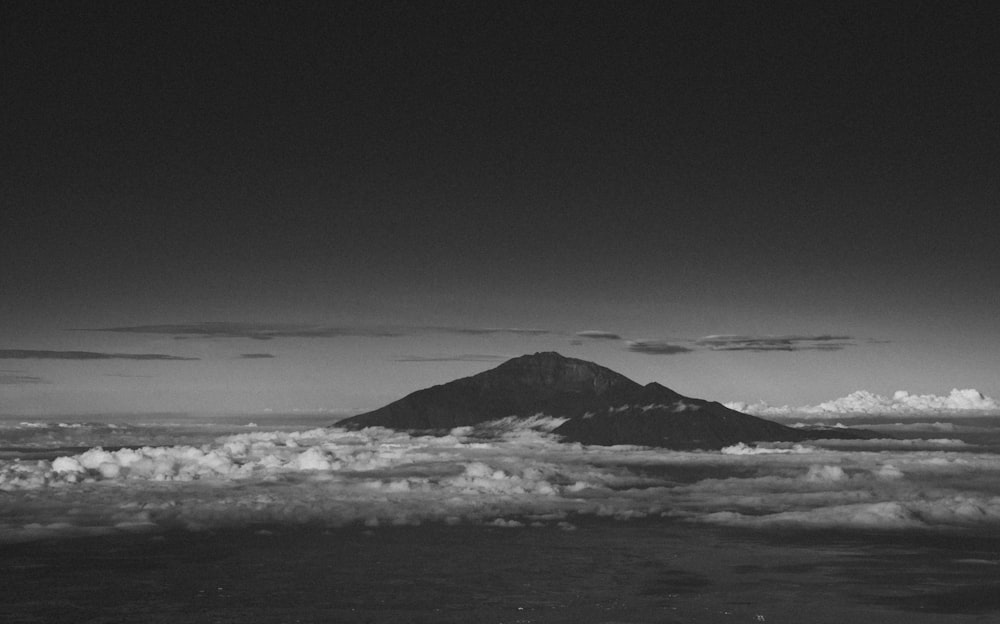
(503, 475)
(864, 403)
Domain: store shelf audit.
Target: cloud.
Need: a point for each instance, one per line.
(734, 342)
(40, 354)
(865, 403)
(512, 476)
(256, 356)
(17, 379)
(466, 357)
(270, 331)
(731, 342)
(479, 331)
(596, 334)
(936, 426)
(254, 331)
(656, 347)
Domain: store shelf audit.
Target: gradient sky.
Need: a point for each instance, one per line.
(327, 205)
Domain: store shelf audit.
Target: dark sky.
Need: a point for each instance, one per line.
(657, 171)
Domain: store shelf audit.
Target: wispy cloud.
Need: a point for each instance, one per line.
(729, 342)
(732, 342)
(466, 357)
(17, 379)
(41, 354)
(596, 334)
(479, 331)
(256, 356)
(656, 347)
(255, 331)
(270, 331)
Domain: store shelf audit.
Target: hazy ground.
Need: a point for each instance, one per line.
(603, 571)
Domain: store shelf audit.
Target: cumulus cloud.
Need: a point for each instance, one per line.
(656, 347)
(865, 403)
(41, 354)
(595, 334)
(504, 475)
(732, 342)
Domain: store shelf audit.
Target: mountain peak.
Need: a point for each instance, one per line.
(550, 372)
(544, 382)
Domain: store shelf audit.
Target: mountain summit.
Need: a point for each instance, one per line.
(602, 407)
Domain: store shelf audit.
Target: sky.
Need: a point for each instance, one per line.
(304, 206)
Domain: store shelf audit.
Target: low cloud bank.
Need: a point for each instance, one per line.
(864, 403)
(503, 474)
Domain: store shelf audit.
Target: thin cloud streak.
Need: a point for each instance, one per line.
(254, 331)
(14, 379)
(270, 331)
(256, 356)
(480, 331)
(595, 334)
(730, 342)
(41, 354)
(656, 347)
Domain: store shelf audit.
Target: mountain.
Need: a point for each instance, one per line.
(603, 407)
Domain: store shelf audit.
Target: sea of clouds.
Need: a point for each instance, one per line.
(505, 474)
(862, 403)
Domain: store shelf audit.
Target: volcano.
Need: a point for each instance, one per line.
(601, 406)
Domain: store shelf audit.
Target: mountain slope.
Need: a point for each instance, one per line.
(603, 407)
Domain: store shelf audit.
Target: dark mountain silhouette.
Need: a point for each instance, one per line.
(603, 407)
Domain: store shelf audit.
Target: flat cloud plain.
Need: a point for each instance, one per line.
(507, 474)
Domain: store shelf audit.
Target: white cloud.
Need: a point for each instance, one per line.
(516, 477)
(865, 403)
